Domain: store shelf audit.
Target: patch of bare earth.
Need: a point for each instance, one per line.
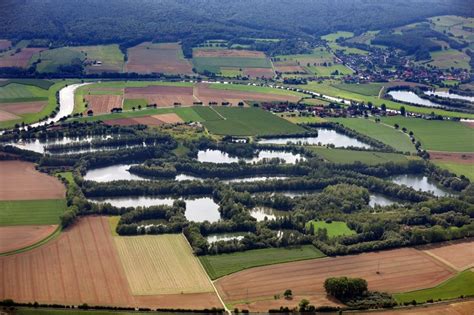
(21, 181)
(458, 158)
(17, 237)
(397, 270)
(169, 118)
(259, 72)
(458, 254)
(23, 107)
(82, 266)
(20, 59)
(101, 104)
(157, 58)
(163, 96)
(228, 53)
(6, 116)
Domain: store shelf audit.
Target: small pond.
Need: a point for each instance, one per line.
(411, 97)
(111, 173)
(217, 156)
(213, 238)
(197, 209)
(260, 213)
(325, 136)
(419, 182)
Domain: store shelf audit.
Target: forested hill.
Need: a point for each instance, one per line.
(101, 21)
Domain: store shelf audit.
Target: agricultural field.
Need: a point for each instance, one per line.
(102, 58)
(343, 156)
(458, 254)
(334, 36)
(15, 238)
(165, 58)
(220, 265)
(437, 135)
(389, 270)
(331, 39)
(18, 57)
(333, 70)
(328, 88)
(370, 89)
(217, 60)
(52, 60)
(16, 92)
(249, 122)
(456, 25)
(31, 212)
(83, 265)
(446, 59)
(161, 264)
(5, 44)
(334, 228)
(460, 285)
(458, 169)
(383, 133)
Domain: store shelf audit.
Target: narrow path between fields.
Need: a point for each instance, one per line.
(215, 111)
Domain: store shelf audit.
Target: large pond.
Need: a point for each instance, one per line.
(260, 213)
(217, 156)
(111, 173)
(39, 145)
(213, 238)
(445, 94)
(419, 182)
(197, 209)
(411, 97)
(325, 136)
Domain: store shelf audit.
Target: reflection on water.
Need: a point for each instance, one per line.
(419, 182)
(217, 156)
(260, 213)
(380, 200)
(445, 94)
(111, 173)
(213, 238)
(411, 97)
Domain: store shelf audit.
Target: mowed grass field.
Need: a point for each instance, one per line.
(335, 228)
(458, 169)
(343, 156)
(386, 134)
(161, 264)
(31, 212)
(249, 122)
(15, 92)
(224, 264)
(437, 135)
(110, 56)
(370, 89)
(52, 59)
(461, 284)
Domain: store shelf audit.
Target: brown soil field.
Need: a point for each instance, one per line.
(24, 107)
(5, 116)
(101, 104)
(17, 237)
(163, 96)
(289, 69)
(169, 118)
(259, 72)
(82, 266)
(457, 308)
(5, 44)
(20, 59)
(162, 58)
(458, 254)
(145, 120)
(458, 158)
(228, 53)
(21, 181)
(399, 270)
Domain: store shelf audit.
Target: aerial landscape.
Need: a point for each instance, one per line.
(253, 156)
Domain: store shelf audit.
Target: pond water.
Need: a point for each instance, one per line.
(260, 213)
(213, 238)
(325, 136)
(446, 94)
(380, 200)
(217, 156)
(111, 173)
(411, 97)
(419, 182)
(252, 179)
(197, 209)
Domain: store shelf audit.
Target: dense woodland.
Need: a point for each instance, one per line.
(93, 21)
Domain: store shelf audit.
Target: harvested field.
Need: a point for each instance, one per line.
(168, 118)
(259, 72)
(162, 96)
(457, 308)
(5, 44)
(17, 237)
(23, 107)
(289, 69)
(82, 266)
(145, 120)
(162, 58)
(5, 116)
(399, 270)
(101, 104)
(458, 158)
(459, 254)
(228, 53)
(21, 181)
(20, 59)
(161, 264)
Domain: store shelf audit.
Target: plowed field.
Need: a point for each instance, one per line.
(459, 254)
(16, 237)
(101, 104)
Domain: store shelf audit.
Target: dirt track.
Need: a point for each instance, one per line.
(399, 270)
(16, 237)
(458, 254)
(82, 266)
(21, 181)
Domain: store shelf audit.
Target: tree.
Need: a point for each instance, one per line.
(345, 288)
(402, 111)
(383, 107)
(288, 294)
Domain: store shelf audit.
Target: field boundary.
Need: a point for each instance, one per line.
(42, 242)
(219, 114)
(208, 278)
